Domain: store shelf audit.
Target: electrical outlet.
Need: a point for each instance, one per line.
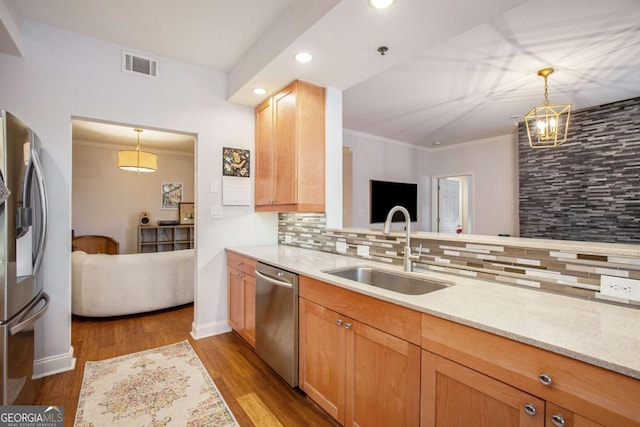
(288, 238)
(620, 287)
(341, 247)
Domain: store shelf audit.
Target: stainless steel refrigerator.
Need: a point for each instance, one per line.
(23, 230)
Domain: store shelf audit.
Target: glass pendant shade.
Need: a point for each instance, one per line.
(547, 126)
(137, 160)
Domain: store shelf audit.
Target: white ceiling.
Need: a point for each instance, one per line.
(456, 70)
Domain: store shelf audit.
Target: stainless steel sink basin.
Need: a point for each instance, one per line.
(389, 280)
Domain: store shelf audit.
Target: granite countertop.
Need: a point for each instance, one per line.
(601, 334)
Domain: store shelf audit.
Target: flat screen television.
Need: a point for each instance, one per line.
(384, 195)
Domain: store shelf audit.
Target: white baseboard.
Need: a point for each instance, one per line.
(54, 364)
(209, 329)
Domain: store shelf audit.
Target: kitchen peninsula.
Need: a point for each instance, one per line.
(485, 335)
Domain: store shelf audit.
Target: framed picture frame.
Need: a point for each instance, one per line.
(170, 195)
(187, 212)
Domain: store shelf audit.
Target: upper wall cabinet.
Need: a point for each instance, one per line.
(290, 150)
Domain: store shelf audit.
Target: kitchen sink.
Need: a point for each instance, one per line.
(390, 280)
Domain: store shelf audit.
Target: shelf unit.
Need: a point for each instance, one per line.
(164, 238)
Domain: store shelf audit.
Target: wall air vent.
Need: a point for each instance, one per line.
(140, 65)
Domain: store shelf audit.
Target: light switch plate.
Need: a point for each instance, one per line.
(620, 287)
(216, 212)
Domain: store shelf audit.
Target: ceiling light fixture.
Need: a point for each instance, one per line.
(303, 57)
(380, 4)
(138, 160)
(259, 90)
(547, 126)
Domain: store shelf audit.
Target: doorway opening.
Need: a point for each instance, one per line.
(452, 204)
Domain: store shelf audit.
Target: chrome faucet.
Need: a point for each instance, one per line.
(408, 257)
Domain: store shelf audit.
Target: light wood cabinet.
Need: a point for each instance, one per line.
(583, 395)
(241, 284)
(359, 374)
(163, 238)
(456, 396)
(290, 150)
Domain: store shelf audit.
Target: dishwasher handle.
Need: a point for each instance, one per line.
(274, 281)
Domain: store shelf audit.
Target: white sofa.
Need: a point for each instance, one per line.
(115, 285)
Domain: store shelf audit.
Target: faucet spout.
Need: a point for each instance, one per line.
(408, 257)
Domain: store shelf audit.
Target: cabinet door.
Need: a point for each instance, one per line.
(383, 379)
(236, 299)
(561, 417)
(322, 357)
(250, 309)
(456, 396)
(285, 118)
(265, 155)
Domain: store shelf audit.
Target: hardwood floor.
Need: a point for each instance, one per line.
(255, 394)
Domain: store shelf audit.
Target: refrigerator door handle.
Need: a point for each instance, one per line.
(44, 203)
(31, 319)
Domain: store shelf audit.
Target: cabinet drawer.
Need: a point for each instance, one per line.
(399, 321)
(245, 264)
(606, 397)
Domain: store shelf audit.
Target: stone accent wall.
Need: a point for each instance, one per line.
(570, 273)
(587, 189)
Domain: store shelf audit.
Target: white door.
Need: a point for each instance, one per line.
(448, 205)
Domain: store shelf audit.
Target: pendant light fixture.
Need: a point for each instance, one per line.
(138, 160)
(547, 126)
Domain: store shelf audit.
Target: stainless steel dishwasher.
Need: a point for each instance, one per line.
(277, 320)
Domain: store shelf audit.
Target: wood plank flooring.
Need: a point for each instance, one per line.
(255, 394)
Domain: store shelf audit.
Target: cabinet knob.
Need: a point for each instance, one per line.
(339, 322)
(558, 420)
(530, 409)
(239, 263)
(347, 325)
(545, 379)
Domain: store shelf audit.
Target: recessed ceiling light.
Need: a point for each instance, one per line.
(303, 57)
(380, 4)
(437, 143)
(259, 90)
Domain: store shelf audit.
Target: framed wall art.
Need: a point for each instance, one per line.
(170, 195)
(187, 212)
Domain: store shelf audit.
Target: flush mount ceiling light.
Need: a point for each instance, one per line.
(259, 90)
(138, 160)
(547, 126)
(303, 57)
(380, 4)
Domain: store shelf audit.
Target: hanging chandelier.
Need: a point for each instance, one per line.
(137, 160)
(547, 126)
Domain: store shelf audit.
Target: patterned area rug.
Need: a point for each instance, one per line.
(165, 386)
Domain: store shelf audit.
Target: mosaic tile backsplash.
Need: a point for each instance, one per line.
(575, 274)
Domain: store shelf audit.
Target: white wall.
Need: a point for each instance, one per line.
(386, 160)
(492, 162)
(107, 201)
(494, 189)
(64, 75)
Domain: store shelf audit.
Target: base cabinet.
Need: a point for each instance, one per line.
(360, 375)
(456, 396)
(241, 304)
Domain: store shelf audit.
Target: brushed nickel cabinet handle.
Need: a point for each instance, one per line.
(530, 409)
(545, 379)
(558, 420)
